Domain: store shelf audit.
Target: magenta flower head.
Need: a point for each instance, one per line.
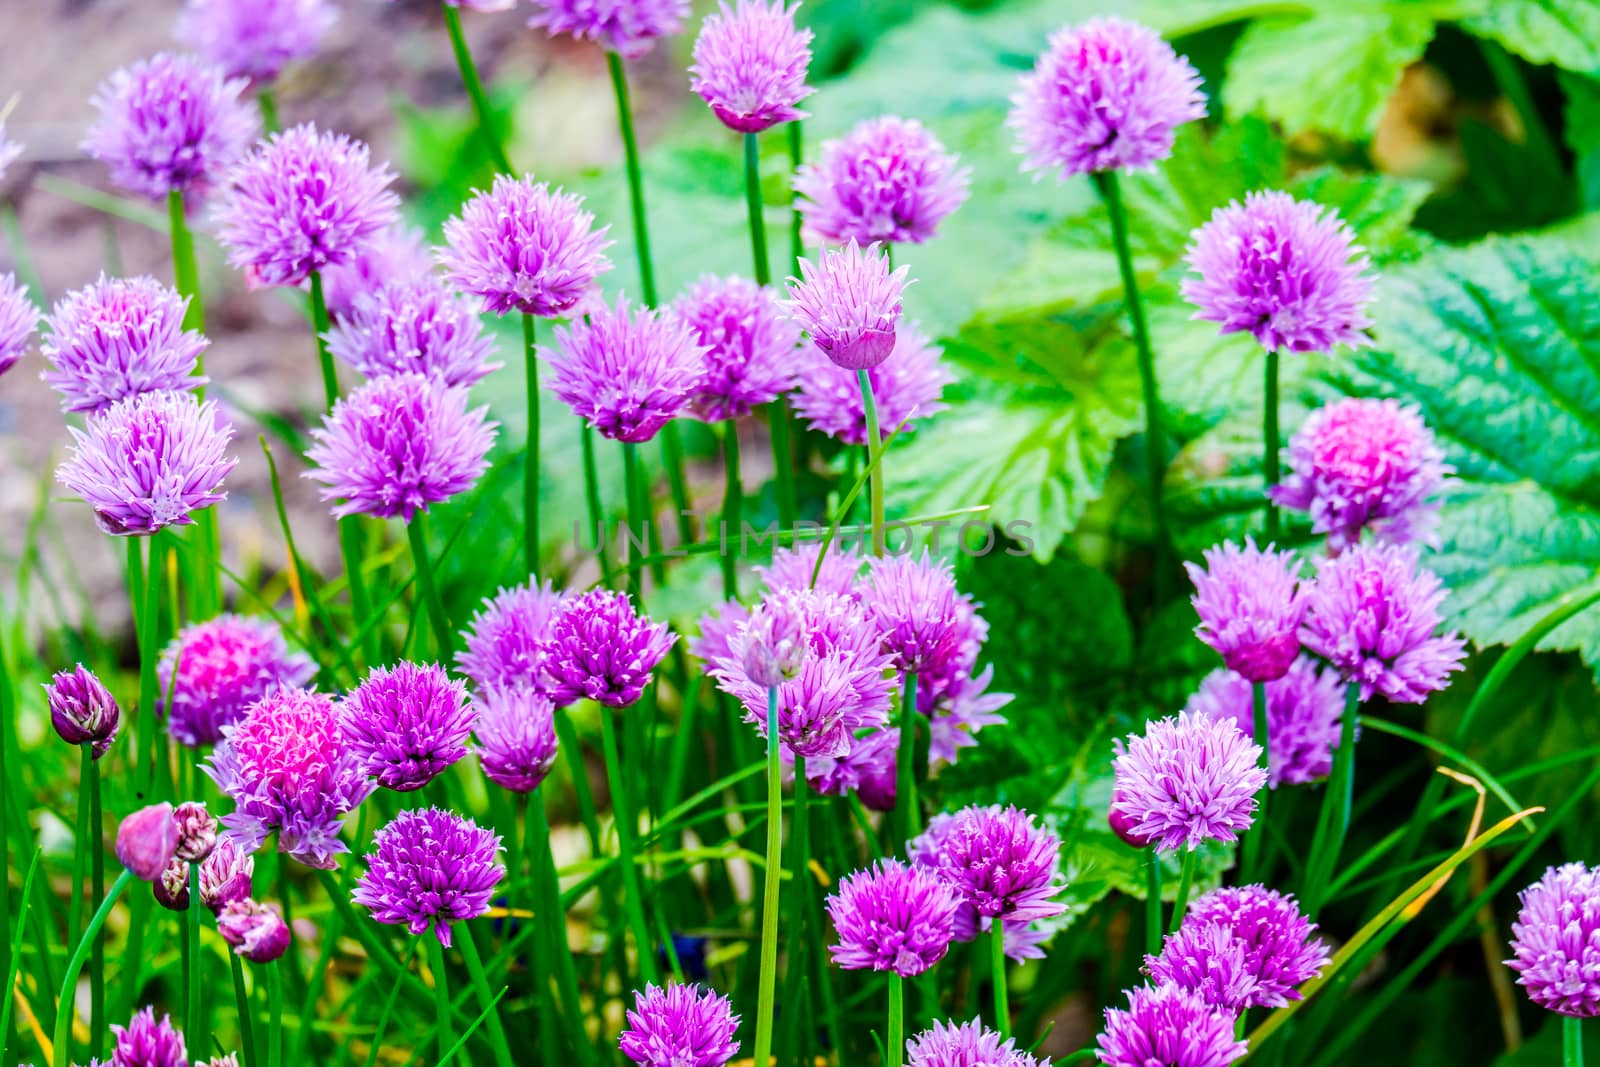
(627, 27)
(750, 64)
(171, 888)
(966, 1045)
(906, 386)
(1170, 1026)
(18, 319)
(303, 201)
(1286, 270)
(395, 254)
(1555, 942)
(507, 639)
(407, 724)
(849, 304)
(867, 769)
(516, 734)
(1365, 464)
(255, 39)
(1205, 958)
(1001, 863)
(1186, 780)
(1281, 951)
(225, 875)
(82, 709)
(889, 179)
(680, 1026)
(792, 567)
(256, 931)
(397, 445)
(1107, 95)
(914, 604)
(148, 461)
(144, 1042)
(1250, 604)
(214, 671)
(170, 124)
(523, 246)
(626, 374)
(602, 650)
(1304, 709)
(414, 324)
(117, 338)
(289, 770)
(147, 840)
(430, 867)
(1373, 614)
(750, 346)
(197, 831)
(891, 917)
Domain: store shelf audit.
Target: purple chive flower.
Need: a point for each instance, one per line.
(303, 201)
(505, 643)
(170, 124)
(407, 724)
(750, 346)
(117, 338)
(1365, 464)
(891, 917)
(961, 707)
(289, 770)
(849, 304)
(750, 64)
(914, 604)
(965, 1045)
(147, 461)
(225, 875)
(430, 867)
(171, 887)
(144, 1042)
(1186, 780)
(792, 567)
(18, 317)
(627, 374)
(1169, 1026)
(523, 246)
(393, 255)
(147, 840)
(1106, 95)
(82, 709)
(197, 831)
(1373, 613)
(516, 736)
(415, 324)
(1001, 863)
(627, 27)
(680, 1026)
(1304, 709)
(397, 445)
(1555, 942)
(1250, 602)
(255, 39)
(602, 650)
(256, 931)
(1205, 958)
(889, 179)
(1281, 951)
(1286, 270)
(906, 386)
(214, 671)
(867, 769)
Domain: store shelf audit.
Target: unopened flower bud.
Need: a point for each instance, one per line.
(197, 831)
(82, 709)
(256, 931)
(172, 888)
(147, 841)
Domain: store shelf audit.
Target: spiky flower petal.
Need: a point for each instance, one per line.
(750, 346)
(507, 638)
(891, 917)
(1186, 780)
(414, 324)
(680, 1026)
(626, 373)
(117, 338)
(430, 867)
(82, 709)
(1304, 709)
(888, 179)
(750, 64)
(214, 670)
(627, 27)
(1555, 942)
(601, 649)
(255, 39)
(905, 387)
(850, 304)
(1250, 602)
(1168, 1026)
(407, 724)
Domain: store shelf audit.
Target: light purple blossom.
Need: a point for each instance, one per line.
(867, 768)
(256, 931)
(891, 917)
(407, 724)
(1555, 942)
(18, 317)
(750, 64)
(1187, 780)
(147, 840)
(751, 346)
(850, 304)
(1250, 602)
(430, 867)
(905, 387)
(214, 671)
(516, 737)
(601, 649)
(415, 324)
(1281, 949)
(117, 338)
(627, 27)
(1304, 709)
(255, 39)
(1000, 862)
(889, 179)
(792, 567)
(144, 1042)
(915, 606)
(1205, 958)
(967, 1045)
(1171, 1027)
(507, 638)
(393, 255)
(680, 1026)
(82, 710)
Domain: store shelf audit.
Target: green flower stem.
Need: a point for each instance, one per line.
(591, 494)
(1152, 901)
(797, 995)
(553, 916)
(782, 461)
(755, 209)
(1254, 845)
(767, 989)
(97, 882)
(572, 749)
(1571, 1041)
(1185, 883)
(185, 275)
(894, 1049)
(417, 534)
(267, 102)
(997, 949)
(874, 447)
(275, 1011)
(1269, 443)
(796, 157)
(622, 815)
(474, 87)
(530, 462)
(480, 987)
(1334, 819)
(732, 510)
(441, 993)
(641, 525)
(145, 585)
(69, 982)
(319, 326)
(241, 999)
(778, 410)
(194, 1011)
(905, 802)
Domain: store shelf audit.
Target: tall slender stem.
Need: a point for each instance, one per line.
(417, 534)
(796, 157)
(474, 87)
(7, 821)
(755, 209)
(247, 1023)
(69, 982)
(1334, 819)
(97, 882)
(1185, 883)
(194, 1011)
(441, 993)
(1571, 1041)
(732, 510)
(778, 432)
(630, 151)
(767, 989)
(622, 815)
(894, 1049)
(778, 410)
(874, 446)
(591, 495)
(572, 750)
(319, 326)
(184, 273)
(275, 1012)
(1269, 443)
(554, 918)
(905, 780)
(1255, 838)
(267, 102)
(1152, 901)
(997, 955)
(530, 461)
(640, 522)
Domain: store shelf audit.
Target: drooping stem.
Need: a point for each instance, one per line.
(319, 326)
(767, 988)
(622, 815)
(441, 992)
(530, 462)
(895, 1047)
(1255, 838)
(417, 534)
(194, 1011)
(1152, 901)
(905, 780)
(755, 209)
(474, 87)
(732, 510)
(1334, 818)
(997, 949)
(554, 917)
(874, 446)
(267, 102)
(69, 982)
(1571, 1041)
(1185, 883)
(486, 1000)
(591, 495)
(247, 1022)
(1269, 443)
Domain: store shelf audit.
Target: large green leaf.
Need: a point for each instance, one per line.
(1583, 133)
(1563, 32)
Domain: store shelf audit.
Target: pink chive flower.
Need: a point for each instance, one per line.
(197, 831)
(415, 324)
(905, 387)
(1373, 613)
(507, 638)
(524, 246)
(750, 64)
(394, 254)
(1106, 95)
(965, 1045)
(849, 304)
(602, 650)
(1205, 958)
(225, 874)
(1250, 602)
(82, 710)
(866, 769)
(1287, 271)
(117, 338)
(938, 850)
(171, 887)
(891, 917)
(750, 346)
(290, 771)
(627, 374)
(1555, 942)
(1000, 862)
(147, 840)
(915, 606)
(1365, 464)
(170, 124)
(792, 567)
(1280, 948)
(1168, 1025)
(144, 1042)
(516, 735)
(1304, 710)
(397, 445)
(214, 671)
(18, 319)
(629, 28)
(255, 39)
(430, 867)
(256, 931)
(680, 1026)
(1186, 780)
(889, 179)
(303, 201)
(407, 724)
(148, 461)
